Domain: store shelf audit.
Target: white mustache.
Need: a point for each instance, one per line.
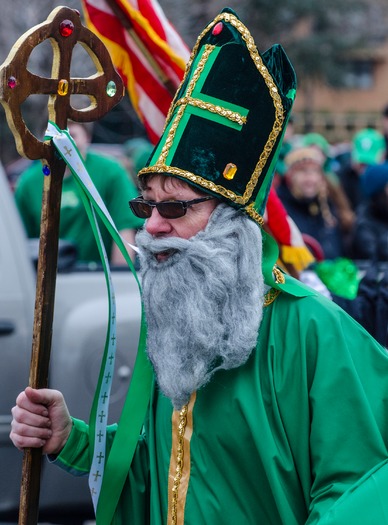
(155, 245)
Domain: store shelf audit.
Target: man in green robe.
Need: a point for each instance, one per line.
(269, 404)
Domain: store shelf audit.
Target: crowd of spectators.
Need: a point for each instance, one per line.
(341, 209)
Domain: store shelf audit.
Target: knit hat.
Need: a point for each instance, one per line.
(318, 140)
(226, 122)
(304, 155)
(374, 179)
(368, 147)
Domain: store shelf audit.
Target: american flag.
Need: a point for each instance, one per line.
(146, 50)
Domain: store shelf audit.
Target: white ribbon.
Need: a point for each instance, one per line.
(68, 150)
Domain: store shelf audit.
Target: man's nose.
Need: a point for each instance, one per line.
(156, 224)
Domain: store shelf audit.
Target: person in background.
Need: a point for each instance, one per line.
(263, 402)
(112, 182)
(368, 147)
(304, 194)
(337, 195)
(295, 255)
(370, 254)
(370, 237)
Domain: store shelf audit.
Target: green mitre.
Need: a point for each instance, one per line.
(225, 125)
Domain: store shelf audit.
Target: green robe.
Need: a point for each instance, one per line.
(297, 435)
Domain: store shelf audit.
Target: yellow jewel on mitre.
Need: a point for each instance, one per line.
(229, 171)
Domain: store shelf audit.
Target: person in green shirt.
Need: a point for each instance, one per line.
(113, 184)
(267, 402)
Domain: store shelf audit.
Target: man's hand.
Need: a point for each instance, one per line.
(40, 419)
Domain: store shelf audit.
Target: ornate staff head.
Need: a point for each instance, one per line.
(104, 89)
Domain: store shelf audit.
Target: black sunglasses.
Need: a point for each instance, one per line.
(167, 209)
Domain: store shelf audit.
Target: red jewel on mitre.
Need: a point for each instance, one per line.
(217, 28)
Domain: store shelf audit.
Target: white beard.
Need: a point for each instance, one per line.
(203, 304)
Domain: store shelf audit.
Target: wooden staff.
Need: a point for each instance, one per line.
(105, 89)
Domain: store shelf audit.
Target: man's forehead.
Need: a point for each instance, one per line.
(166, 183)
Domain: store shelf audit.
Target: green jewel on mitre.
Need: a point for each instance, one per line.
(226, 122)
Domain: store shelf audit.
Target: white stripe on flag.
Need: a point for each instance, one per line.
(152, 114)
(173, 38)
(145, 63)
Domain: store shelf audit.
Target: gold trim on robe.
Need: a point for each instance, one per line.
(179, 473)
